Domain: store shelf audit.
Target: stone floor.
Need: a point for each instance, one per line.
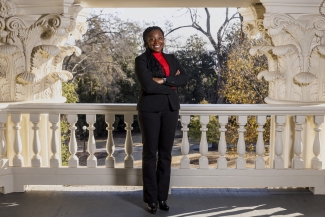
(97, 201)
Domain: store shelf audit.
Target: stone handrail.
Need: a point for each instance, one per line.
(197, 109)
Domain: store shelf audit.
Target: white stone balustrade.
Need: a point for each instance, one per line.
(128, 160)
(204, 162)
(110, 146)
(185, 175)
(37, 159)
(278, 162)
(241, 148)
(222, 148)
(18, 160)
(260, 162)
(3, 145)
(73, 147)
(297, 161)
(91, 160)
(185, 160)
(55, 160)
(316, 161)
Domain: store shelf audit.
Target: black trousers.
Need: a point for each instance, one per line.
(158, 131)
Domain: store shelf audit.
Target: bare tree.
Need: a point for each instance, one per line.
(216, 43)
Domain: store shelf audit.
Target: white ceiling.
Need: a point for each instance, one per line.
(163, 3)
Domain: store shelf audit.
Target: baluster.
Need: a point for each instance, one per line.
(204, 162)
(18, 160)
(241, 148)
(222, 148)
(297, 161)
(55, 158)
(36, 159)
(316, 162)
(278, 162)
(91, 160)
(128, 160)
(3, 145)
(185, 161)
(110, 146)
(73, 159)
(260, 162)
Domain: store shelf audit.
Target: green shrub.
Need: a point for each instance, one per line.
(213, 133)
(68, 91)
(213, 126)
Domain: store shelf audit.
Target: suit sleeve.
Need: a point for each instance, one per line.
(179, 80)
(145, 78)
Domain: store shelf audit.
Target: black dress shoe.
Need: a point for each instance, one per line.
(163, 205)
(152, 208)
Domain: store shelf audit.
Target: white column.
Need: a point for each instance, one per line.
(241, 148)
(185, 160)
(222, 148)
(316, 162)
(110, 146)
(204, 162)
(3, 145)
(128, 160)
(91, 160)
(278, 162)
(55, 158)
(297, 161)
(36, 159)
(18, 160)
(260, 162)
(73, 159)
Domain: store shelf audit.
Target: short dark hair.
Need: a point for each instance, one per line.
(146, 32)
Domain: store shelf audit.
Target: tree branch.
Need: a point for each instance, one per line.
(177, 29)
(208, 20)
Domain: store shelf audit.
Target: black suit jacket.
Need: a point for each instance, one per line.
(153, 96)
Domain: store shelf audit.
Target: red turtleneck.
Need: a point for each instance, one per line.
(161, 59)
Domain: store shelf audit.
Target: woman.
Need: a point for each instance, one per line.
(158, 106)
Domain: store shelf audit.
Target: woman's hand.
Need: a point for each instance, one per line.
(158, 80)
(161, 81)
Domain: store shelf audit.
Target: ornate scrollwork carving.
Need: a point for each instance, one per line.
(41, 54)
(73, 11)
(282, 50)
(304, 78)
(3, 67)
(7, 50)
(2, 24)
(249, 29)
(253, 27)
(7, 8)
(29, 54)
(66, 51)
(13, 24)
(270, 75)
(267, 51)
(53, 25)
(27, 78)
(63, 76)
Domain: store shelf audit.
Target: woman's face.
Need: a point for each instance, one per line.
(155, 40)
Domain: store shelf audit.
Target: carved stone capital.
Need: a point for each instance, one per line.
(253, 20)
(296, 58)
(32, 51)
